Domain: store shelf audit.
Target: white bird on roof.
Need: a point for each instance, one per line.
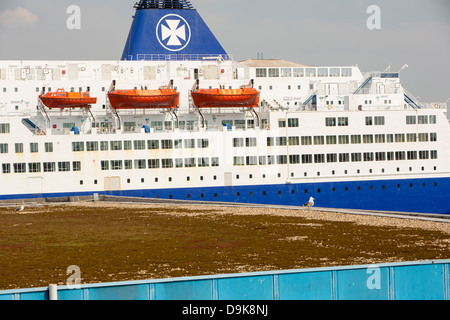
(310, 203)
(21, 208)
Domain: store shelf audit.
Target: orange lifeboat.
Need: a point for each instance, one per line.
(163, 98)
(244, 97)
(62, 99)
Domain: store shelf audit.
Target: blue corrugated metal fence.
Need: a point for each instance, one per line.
(423, 280)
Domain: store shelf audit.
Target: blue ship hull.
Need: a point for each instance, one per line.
(411, 195)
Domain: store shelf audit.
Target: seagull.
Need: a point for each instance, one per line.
(310, 203)
(21, 208)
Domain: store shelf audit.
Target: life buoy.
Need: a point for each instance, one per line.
(41, 132)
(330, 107)
(437, 106)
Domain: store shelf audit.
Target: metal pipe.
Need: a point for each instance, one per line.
(53, 292)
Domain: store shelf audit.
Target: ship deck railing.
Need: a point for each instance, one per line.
(180, 57)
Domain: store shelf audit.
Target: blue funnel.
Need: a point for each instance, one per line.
(164, 30)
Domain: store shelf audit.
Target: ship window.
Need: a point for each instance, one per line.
(238, 142)
(356, 157)
(322, 72)
(214, 162)
(389, 138)
(274, 72)
(238, 161)
(203, 143)
(332, 157)
(356, 139)
(128, 164)
(115, 165)
(4, 89)
(410, 119)
(335, 72)
(344, 157)
(293, 123)
(434, 155)
(298, 72)
(342, 121)
(127, 145)
(19, 167)
(189, 143)
(153, 144)
(3, 148)
(399, 137)
(422, 120)
(379, 121)
(330, 122)
(167, 163)
(346, 72)
(343, 139)
(319, 140)
(282, 159)
(310, 72)
(281, 141)
(178, 163)
(138, 145)
(116, 145)
(390, 156)
(19, 147)
(286, 72)
(4, 128)
(433, 119)
(367, 138)
(104, 145)
(6, 168)
(262, 160)
(400, 155)
(270, 160)
(250, 142)
(380, 138)
(412, 155)
(240, 124)
(294, 159)
(77, 146)
(294, 141)
(153, 163)
(411, 137)
(423, 155)
(368, 156)
(189, 162)
(331, 140)
(433, 137)
(369, 121)
(92, 146)
(64, 166)
(261, 72)
(306, 141)
(140, 164)
(203, 162)
(380, 156)
(423, 137)
(307, 158)
(48, 147)
(34, 147)
(76, 166)
(34, 167)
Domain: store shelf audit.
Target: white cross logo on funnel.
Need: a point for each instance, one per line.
(173, 32)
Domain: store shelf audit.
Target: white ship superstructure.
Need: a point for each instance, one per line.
(348, 139)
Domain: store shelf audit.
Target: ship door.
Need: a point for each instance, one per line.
(228, 179)
(112, 184)
(195, 73)
(35, 185)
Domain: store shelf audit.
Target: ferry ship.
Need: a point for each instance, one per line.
(177, 118)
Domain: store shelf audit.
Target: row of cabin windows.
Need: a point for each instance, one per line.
(334, 157)
(421, 119)
(158, 163)
(303, 72)
(36, 167)
(342, 139)
(140, 145)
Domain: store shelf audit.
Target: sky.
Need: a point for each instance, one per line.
(310, 32)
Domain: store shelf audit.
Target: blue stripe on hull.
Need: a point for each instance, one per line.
(413, 195)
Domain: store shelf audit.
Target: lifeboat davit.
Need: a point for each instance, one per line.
(244, 97)
(62, 99)
(163, 98)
